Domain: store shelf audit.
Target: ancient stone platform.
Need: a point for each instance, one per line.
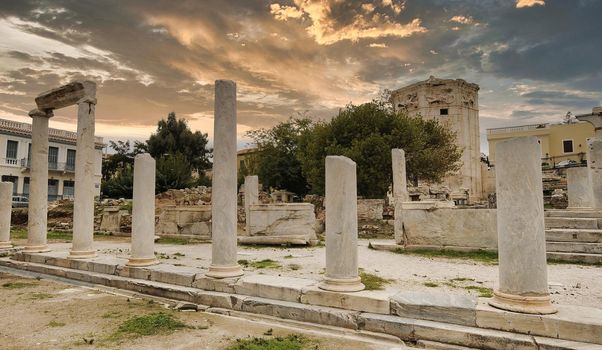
(459, 320)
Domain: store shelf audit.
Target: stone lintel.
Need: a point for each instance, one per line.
(67, 95)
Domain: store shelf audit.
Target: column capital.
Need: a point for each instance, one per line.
(39, 113)
(87, 99)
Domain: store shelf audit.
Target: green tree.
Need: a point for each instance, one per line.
(120, 185)
(173, 172)
(366, 133)
(276, 162)
(173, 136)
(122, 158)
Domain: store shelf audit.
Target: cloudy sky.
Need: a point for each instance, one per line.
(534, 59)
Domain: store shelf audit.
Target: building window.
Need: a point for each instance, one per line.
(443, 111)
(11, 152)
(567, 146)
(68, 189)
(14, 180)
(26, 186)
(70, 160)
(53, 157)
(53, 190)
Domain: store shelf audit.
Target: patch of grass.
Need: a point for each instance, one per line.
(179, 254)
(290, 342)
(40, 296)
(127, 206)
(484, 292)
(151, 324)
(562, 262)
(294, 267)
(290, 256)
(461, 279)
(261, 264)
(373, 282)
(21, 233)
(477, 255)
(174, 240)
(430, 284)
(54, 323)
(111, 314)
(18, 285)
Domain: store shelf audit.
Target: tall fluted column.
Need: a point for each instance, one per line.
(83, 203)
(341, 226)
(143, 212)
(523, 270)
(224, 188)
(594, 164)
(6, 194)
(38, 184)
(251, 198)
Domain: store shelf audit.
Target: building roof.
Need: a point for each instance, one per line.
(437, 81)
(57, 135)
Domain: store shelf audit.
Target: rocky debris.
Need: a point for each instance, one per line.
(559, 199)
(200, 195)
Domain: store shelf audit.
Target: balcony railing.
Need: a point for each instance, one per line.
(10, 161)
(57, 133)
(54, 166)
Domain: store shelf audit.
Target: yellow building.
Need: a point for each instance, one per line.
(245, 159)
(559, 142)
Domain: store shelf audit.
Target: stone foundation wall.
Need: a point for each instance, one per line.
(370, 209)
(185, 222)
(285, 219)
(450, 227)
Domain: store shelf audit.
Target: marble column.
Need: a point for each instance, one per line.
(400, 191)
(341, 226)
(594, 164)
(578, 188)
(38, 184)
(83, 203)
(6, 199)
(224, 187)
(251, 198)
(523, 270)
(143, 212)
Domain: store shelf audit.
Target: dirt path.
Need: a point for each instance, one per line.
(43, 314)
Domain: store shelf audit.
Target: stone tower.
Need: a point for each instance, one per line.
(454, 103)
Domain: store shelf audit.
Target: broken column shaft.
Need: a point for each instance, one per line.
(224, 188)
(523, 271)
(143, 212)
(341, 226)
(594, 164)
(6, 194)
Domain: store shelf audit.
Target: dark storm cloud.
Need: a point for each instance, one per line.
(153, 57)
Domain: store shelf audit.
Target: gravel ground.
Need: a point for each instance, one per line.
(569, 284)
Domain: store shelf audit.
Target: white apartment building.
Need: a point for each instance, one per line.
(15, 152)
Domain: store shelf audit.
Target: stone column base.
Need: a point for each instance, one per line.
(36, 248)
(82, 254)
(342, 285)
(7, 244)
(139, 262)
(524, 304)
(224, 271)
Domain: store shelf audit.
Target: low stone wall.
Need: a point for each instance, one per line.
(292, 223)
(450, 227)
(185, 222)
(370, 209)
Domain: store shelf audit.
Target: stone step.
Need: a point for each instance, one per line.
(574, 247)
(406, 329)
(574, 213)
(574, 235)
(576, 223)
(571, 323)
(594, 259)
